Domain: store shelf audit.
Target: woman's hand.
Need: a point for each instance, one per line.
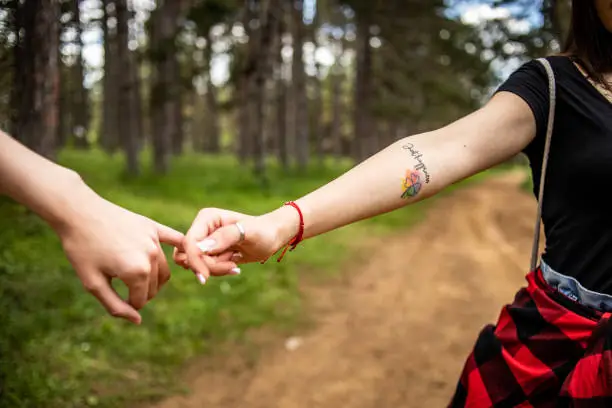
(104, 241)
(215, 245)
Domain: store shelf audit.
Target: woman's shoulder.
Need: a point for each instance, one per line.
(533, 73)
(560, 63)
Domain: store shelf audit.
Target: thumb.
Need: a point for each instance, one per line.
(168, 235)
(220, 240)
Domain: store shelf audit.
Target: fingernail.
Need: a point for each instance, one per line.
(202, 279)
(237, 256)
(236, 271)
(206, 245)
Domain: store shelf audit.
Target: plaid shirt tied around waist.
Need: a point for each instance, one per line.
(545, 351)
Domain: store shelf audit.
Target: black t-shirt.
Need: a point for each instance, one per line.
(577, 212)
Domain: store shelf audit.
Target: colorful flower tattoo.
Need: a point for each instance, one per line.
(412, 184)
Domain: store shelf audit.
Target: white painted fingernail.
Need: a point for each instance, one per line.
(201, 278)
(207, 245)
(236, 271)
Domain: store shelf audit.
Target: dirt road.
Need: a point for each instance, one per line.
(395, 331)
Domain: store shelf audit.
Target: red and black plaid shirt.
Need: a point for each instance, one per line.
(545, 351)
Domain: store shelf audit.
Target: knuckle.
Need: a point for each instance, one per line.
(204, 212)
(140, 270)
(153, 253)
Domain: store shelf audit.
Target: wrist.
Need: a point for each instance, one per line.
(61, 207)
(285, 222)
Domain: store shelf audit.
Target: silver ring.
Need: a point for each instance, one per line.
(241, 230)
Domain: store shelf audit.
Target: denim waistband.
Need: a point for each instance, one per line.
(571, 288)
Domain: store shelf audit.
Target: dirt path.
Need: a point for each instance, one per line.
(395, 332)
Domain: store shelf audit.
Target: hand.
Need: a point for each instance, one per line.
(213, 244)
(104, 241)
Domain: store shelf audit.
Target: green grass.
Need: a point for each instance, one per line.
(59, 349)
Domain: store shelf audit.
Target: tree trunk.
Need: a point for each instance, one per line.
(300, 102)
(262, 73)
(80, 123)
(38, 115)
(212, 134)
(137, 120)
(281, 92)
(128, 139)
(19, 68)
(110, 112)
(559, 12)
(317, 116)
(166, 92)
(336, 127)
(245, 85)
(361, 122)
(136, 105)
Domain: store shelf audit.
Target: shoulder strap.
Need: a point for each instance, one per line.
(552, 87)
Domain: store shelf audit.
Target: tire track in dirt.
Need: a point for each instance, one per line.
(394, 331)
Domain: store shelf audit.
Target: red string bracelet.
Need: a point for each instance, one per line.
(297, 238)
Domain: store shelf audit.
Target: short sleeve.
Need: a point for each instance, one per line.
(530, 83)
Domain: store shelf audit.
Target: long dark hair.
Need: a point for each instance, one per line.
(589, 43)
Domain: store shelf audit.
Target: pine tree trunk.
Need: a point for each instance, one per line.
(317, 117)
(262, 73)
(38, 81)
(245, 87)
(166, 92)
(336, 126)
(361, 122)
(300, 102)
(19, 68)
(110, 112)
(213, 133)
(128, 139)
(281, 92)
(80, 125)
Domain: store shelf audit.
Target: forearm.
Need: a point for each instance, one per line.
(408, 171)
(50, 190)
(399, 175)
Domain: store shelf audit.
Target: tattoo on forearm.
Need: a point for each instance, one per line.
(413, 182)
(418, 156)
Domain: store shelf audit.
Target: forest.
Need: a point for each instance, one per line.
(168, 106)
(293, 81)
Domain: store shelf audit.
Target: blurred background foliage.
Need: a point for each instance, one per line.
(167, 106)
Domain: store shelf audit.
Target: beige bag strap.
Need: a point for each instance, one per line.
(552, 87)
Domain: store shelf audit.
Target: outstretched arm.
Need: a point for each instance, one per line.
(407, 171)
(415, 168)
(101, 240)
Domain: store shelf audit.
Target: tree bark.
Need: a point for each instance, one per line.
(337, 104)
(300, 102)
(80, 123)
(244, 86)
(362, 125)
(166, 92)
(213, 133)
(128, 139)
(262, 73)
(281, 92)
(110, 112)
(38, 82)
